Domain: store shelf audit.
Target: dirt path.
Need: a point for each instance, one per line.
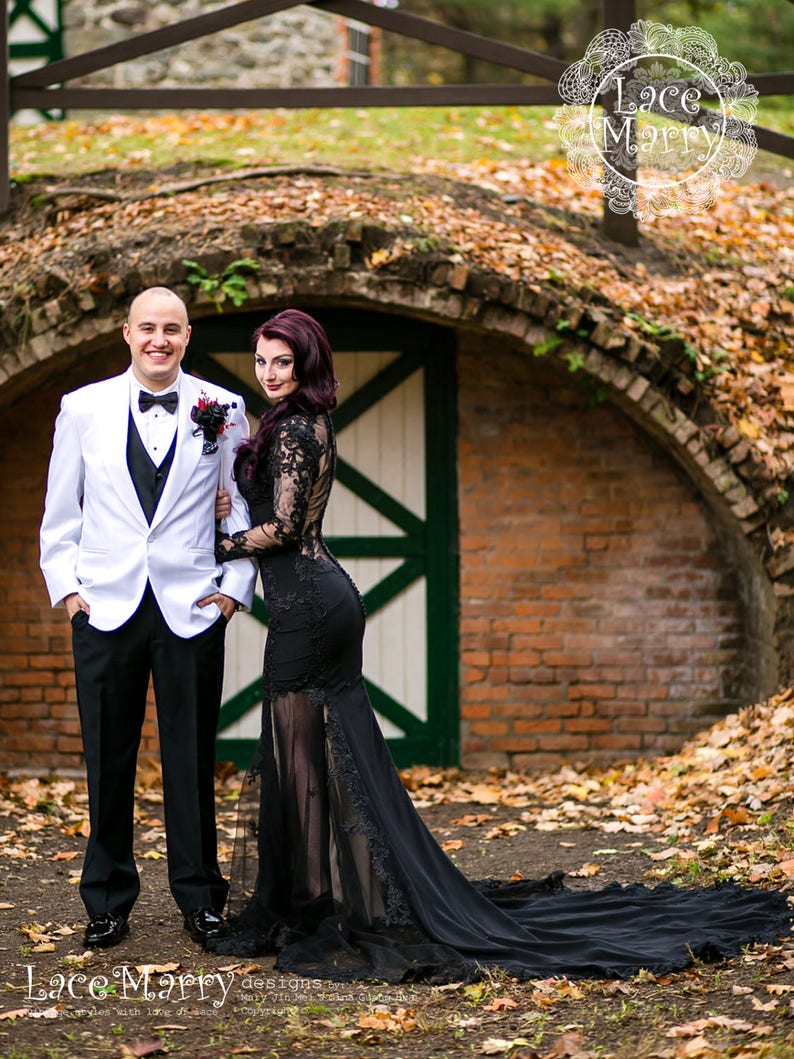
(158, 994)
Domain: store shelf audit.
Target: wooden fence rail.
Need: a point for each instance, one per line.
(43, 88)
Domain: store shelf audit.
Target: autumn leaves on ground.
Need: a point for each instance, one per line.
(720, 809)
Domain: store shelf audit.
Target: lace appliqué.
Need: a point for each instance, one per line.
(300, 468)
(397, 910)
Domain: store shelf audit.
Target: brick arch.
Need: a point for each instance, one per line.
(78, 331)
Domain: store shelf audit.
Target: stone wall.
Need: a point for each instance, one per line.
(298, 47)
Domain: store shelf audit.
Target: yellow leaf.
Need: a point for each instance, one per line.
(472, 820)
(586, 871)
(485, 794)
(379, 257)
(750, 430)
(499, 1046)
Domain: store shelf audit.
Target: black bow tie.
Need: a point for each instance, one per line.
(147, 400)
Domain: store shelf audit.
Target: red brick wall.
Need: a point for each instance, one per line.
(39, 725)
(599, 618)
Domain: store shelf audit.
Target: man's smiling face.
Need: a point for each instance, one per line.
(157, 333)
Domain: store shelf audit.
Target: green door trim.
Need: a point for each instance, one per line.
(376, 497)
(49, 47)
(427, 547)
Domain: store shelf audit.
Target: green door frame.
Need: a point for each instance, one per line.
(429, 546)
(49, 47)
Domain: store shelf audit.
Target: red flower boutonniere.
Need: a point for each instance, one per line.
(209, 416)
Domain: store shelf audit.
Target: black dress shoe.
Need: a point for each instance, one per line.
(105, 930)
(203, 924)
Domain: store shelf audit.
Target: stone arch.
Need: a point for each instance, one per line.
(366, 267)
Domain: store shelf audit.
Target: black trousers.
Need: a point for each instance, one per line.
(112, 672)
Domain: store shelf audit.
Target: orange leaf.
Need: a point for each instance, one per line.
(500, 1003)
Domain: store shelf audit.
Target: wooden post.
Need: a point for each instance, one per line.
(622, 227)
(5, 113)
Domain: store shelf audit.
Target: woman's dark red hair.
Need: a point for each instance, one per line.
(314, 369)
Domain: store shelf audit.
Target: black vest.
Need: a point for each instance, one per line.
(147, 477)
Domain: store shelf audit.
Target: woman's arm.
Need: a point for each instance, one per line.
(296, 462)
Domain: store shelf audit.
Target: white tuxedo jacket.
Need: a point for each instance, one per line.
(95, 539)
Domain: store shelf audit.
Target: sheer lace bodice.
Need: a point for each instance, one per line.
(293, 494)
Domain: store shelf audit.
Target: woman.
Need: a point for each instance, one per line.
(333, 869)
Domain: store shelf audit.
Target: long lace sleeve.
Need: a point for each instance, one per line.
(295, 462)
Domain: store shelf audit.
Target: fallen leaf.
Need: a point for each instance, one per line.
(499, 1046)
(692, 1029)
(586, 871)
(569, 1046)
(500, 1003)
(758, 1005)
(139, 1047)
(382, 1018)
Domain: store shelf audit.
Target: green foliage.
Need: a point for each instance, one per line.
(595, 391)
(706, 365)
(648, 327)
(548, 345)
(231, 283)
(565, 325)
(782, 497)
(575, 360)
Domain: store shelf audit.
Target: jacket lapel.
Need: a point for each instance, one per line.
(114, 415)
(188, 449)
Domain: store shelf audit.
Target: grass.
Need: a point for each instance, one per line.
(382, 138)
(374, 138)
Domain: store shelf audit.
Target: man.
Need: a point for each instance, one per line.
(127, 546)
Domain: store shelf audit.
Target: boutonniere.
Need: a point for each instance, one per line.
(209, 416)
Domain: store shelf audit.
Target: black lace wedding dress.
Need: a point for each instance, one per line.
(333, 870)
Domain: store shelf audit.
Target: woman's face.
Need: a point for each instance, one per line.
(274, 365)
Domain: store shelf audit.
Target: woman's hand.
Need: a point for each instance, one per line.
(223, 504)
